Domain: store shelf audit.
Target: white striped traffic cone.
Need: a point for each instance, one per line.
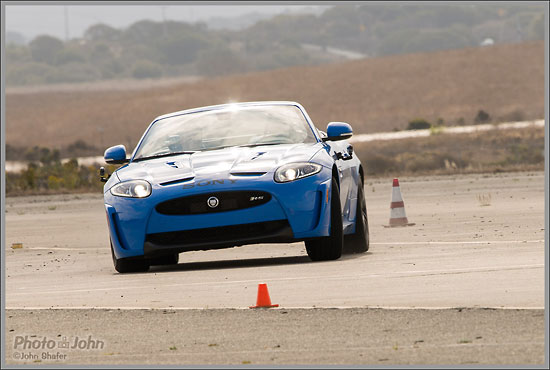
(397, 207)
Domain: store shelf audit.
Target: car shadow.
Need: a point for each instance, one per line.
(229, 264)
(243, 263)
(352, 255)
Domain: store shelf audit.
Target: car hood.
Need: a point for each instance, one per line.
(218, 163)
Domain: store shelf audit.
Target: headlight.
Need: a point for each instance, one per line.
(295, 171)
(132, 189)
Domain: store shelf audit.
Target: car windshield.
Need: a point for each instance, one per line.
(221, 128)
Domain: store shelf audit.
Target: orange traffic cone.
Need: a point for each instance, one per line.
(397, 207)
(263, 300)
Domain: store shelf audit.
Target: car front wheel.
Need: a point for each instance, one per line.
(124, 265)
(329, 247)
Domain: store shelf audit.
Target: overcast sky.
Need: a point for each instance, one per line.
(33, 20)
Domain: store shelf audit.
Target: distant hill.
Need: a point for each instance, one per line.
(222, 47)
(374, 95)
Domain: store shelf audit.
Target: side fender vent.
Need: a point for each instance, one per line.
(172, 182)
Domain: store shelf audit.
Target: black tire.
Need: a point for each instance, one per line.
(329, 247)
(171, 259)
(124, 265)
(359, 241)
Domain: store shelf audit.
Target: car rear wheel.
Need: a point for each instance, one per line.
(124, 265)
(359, 241)
(329, 247)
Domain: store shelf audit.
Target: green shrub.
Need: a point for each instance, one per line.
(436, 130)
(81, 149)
(49, 156)
(54, 182)
(482, 117)
(419, 124)
(54, 176)
(28, 178)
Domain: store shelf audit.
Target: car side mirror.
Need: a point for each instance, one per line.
(116, 155)
(338, 131)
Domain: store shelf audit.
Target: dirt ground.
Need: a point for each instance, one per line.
(373, 95)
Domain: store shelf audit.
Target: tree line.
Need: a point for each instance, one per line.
(149, 49)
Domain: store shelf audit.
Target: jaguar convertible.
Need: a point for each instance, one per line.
(230, 175)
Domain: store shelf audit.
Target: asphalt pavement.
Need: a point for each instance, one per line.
(472, 266)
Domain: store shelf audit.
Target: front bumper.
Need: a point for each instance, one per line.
(297, 211)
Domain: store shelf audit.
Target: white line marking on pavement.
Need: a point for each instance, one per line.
(321, 277)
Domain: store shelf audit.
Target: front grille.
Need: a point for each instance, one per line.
(227, 201)
(221, 234)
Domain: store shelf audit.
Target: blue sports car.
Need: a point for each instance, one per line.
(235, 174)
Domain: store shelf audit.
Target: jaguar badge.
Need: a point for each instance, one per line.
(213, 202)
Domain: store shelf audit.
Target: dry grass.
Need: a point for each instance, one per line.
(489, 151)
(374, 95)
